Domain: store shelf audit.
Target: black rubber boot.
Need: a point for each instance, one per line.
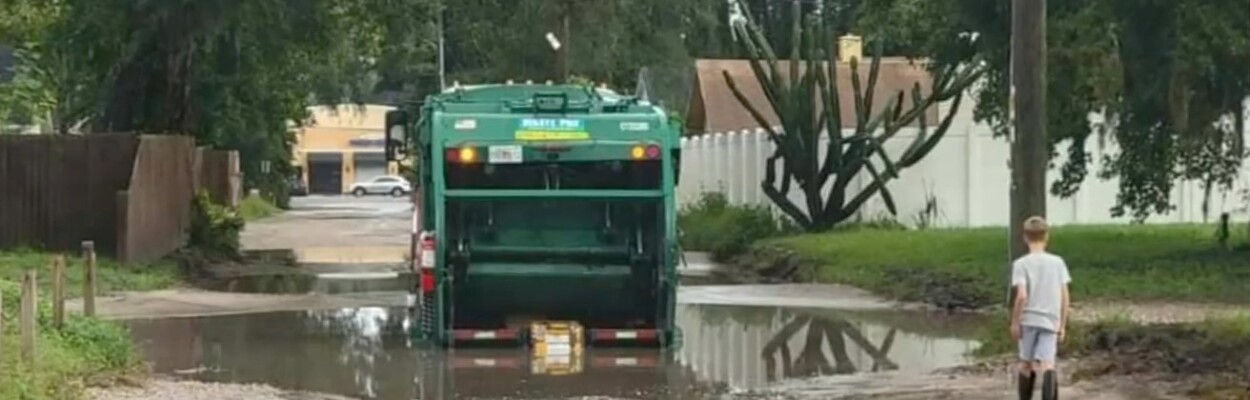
(1024, 385)
(1050, 386)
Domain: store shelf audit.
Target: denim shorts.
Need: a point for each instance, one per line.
(1038, 344)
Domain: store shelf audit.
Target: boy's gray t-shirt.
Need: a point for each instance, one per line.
(1043, 276)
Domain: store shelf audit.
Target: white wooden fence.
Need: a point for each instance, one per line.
(967, 173)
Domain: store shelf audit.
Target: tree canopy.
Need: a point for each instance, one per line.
(1165, 79)
(232, 73)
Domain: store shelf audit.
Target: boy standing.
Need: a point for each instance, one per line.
(1040, 310)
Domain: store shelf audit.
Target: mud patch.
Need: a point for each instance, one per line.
(931, 286)
(766, 264)
(1212, 359)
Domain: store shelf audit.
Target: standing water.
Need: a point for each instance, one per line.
(365, 353)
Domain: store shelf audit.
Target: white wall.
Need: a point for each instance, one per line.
(967, 173)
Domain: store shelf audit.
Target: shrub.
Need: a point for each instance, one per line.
(214, 228)
(254, 207)
(726, 230)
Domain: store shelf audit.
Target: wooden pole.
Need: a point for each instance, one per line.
(562, 53)
(58, 291)
(1029, 153)
(1, 334)
(88, 290)
(28, 324)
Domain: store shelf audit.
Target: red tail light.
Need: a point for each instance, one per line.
(641, 152)
(653, 152)
(463, 155)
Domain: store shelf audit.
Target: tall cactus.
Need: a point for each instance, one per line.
(804, 116)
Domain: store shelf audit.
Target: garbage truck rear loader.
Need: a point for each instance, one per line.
(541, 206)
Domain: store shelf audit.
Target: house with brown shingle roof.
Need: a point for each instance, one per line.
(713, 108)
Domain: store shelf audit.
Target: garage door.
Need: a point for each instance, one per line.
(369, 166)
(325, 173)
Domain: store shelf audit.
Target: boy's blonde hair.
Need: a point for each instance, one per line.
(1035, 229)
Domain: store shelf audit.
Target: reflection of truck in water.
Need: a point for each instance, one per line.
(365, 353)
(599, 373)
(540, 204)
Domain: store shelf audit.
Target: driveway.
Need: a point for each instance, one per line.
(337, 229)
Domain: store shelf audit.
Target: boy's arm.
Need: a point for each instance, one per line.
(1065, 311)
(1017, 308)
(1018, 280)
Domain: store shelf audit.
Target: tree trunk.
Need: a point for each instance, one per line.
(1029, 152)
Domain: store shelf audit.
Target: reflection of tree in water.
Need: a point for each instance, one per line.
(811, 360)
(356, 352)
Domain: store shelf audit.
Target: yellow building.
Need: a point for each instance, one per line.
(341, 147)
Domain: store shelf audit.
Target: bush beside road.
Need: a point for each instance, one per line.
(254, 207)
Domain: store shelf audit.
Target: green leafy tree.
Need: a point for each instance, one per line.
(232, 73)
(1168, 76)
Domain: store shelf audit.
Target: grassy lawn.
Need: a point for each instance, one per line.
(110, 276)
(1141, 262)
(86, 351)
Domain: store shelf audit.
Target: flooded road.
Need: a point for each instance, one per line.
(365, 353)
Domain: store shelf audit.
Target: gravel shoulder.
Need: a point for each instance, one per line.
(168, 389)
(989, 381)
(1156, 312)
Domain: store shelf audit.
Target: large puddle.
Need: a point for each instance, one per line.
(365, 353)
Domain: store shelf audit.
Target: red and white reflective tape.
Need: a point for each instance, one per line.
(497, 334)
(641, 335)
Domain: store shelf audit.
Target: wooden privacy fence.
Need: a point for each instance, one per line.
(219, 175)
(56, 191)
(131, 194)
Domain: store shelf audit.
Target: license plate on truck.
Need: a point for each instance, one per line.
(509, 154)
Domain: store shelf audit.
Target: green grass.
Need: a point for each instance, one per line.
(253, 208)
(87, 351)
(110, 276)
(1132, 262)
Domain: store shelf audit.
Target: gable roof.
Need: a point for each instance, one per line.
(713, 107)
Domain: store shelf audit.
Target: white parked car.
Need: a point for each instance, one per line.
(392, 185)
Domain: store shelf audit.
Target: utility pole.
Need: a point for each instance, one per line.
(1029, 154)
(562, 52)
(442, 55)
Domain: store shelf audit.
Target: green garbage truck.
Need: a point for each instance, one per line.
(540, 206)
